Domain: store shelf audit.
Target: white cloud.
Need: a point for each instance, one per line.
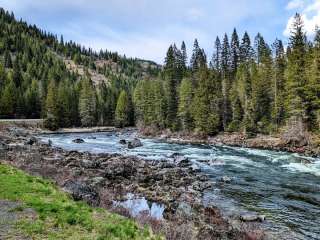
(295, 4)
(195, 14)
(311, 17)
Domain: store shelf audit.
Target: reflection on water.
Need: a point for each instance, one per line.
(285, 187)
(139, 205)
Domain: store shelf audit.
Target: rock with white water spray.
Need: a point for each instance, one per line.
(78, 140)
(134, 143)
(226, 179)
(248, 217)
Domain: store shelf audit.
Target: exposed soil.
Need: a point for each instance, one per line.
(10, 214)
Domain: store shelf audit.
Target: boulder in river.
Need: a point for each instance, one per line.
(31, 141)
(123, 141)
(248, 217)
(134, 143)
(78, 140)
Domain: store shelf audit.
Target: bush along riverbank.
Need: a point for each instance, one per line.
(102, 179)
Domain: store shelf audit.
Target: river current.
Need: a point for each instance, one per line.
(282, 186)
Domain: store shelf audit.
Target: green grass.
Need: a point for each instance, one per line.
(58, 216)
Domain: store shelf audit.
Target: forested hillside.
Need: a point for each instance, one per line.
(248, 86)
(63, 82)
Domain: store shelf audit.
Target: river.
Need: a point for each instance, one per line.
(282, 186)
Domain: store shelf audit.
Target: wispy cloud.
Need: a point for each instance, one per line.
(295, 4)
(310, 13)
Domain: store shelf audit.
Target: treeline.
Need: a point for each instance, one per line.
(35, 83)
(248, 87)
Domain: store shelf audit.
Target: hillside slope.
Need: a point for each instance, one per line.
(36, 68)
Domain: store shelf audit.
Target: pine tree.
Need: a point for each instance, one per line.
(314, 83)
(52, 118)
(246, 51)
(296, 82)
(170, 73)
(234, 53)
(216, 57)
(17, 76)
(194, 61)
(184, 55)
(278, 110)
(226, 82)
(122, 110)
(87, 103)
(8, 99)
(3, 77)
(32, 101)
(206, 103)
(7, 62)
(185, 104)
(261, 86)
(243, 87)
(64, 104)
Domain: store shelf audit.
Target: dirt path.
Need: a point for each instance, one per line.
(10, 214)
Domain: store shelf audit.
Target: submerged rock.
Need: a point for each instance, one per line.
(252, 218)
(134, 143)
(78, 140)
(226, 179)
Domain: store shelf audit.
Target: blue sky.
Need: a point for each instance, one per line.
(145, 28)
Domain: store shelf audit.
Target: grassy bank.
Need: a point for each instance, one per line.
(57, 215)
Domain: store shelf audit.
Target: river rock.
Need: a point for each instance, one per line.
(31, 141)
(226, 179)
(78, 140)
(182, 161)
(166, 165)
(97, 181)
(3, 146)
(184, 210)
(123, 141)
(134, 143)
(90, 164)
(248, 217)
(80, 191)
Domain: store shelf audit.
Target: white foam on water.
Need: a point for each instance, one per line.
(238, 161)
(313, 168)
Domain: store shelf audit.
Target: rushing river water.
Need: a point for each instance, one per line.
(285, 187)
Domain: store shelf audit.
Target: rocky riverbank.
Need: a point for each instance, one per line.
(275, 143)
(102, 179)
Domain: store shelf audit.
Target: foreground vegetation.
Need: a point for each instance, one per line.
(59, 217)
